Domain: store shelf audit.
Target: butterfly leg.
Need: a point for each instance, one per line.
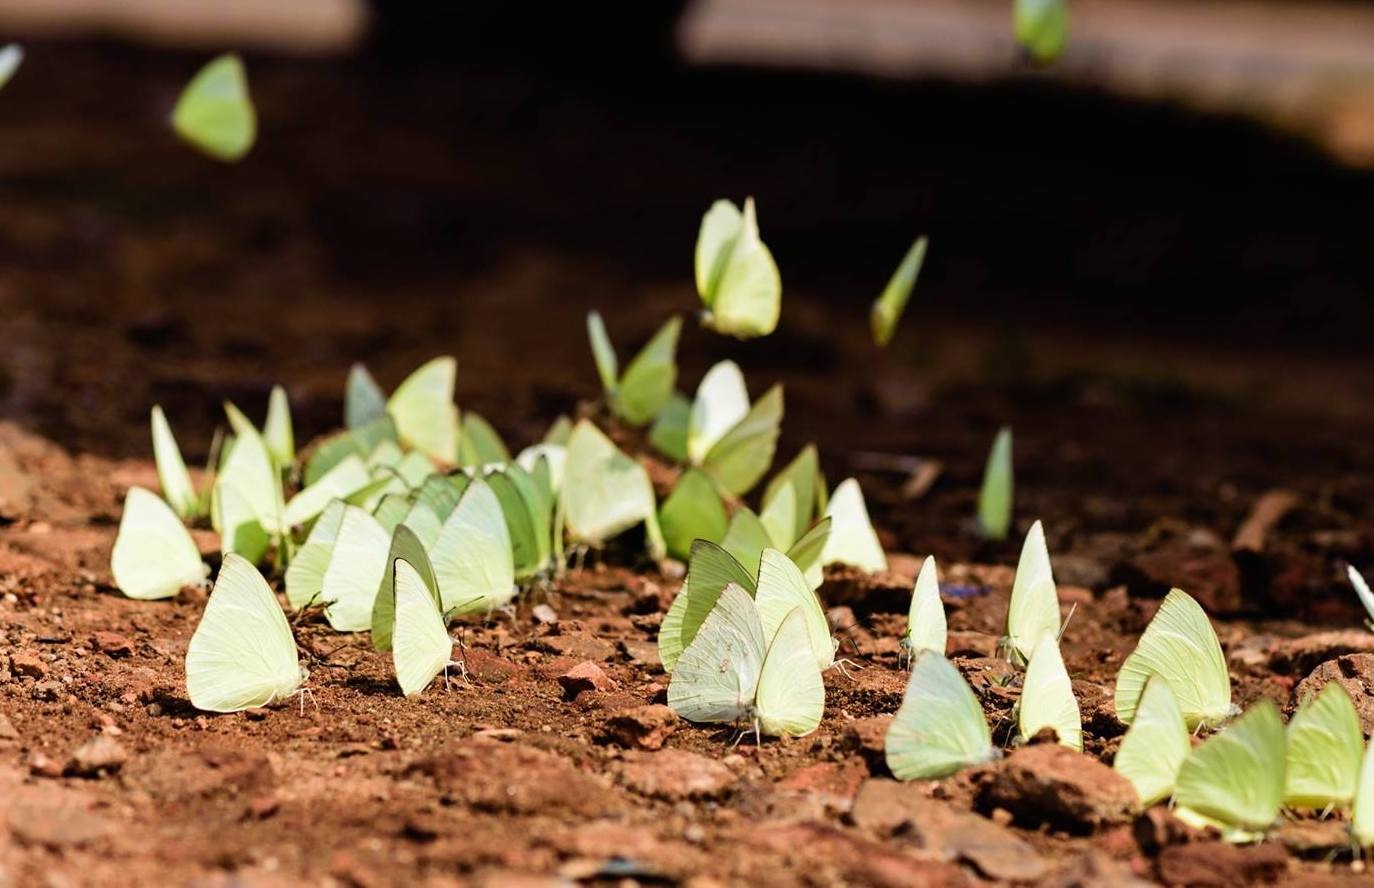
(841, 666)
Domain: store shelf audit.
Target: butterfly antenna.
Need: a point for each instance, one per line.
(1072, 608)
(301, 611)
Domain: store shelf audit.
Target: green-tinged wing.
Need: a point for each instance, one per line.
(340, 482)
(1362, 590)
(925, 622)
(355, 571)
(693, 511)
(391, 510)
(740, 459)
(305, 574)
(995, 497)
(529, 543)
(801, 474)
(709, 571)
(888, 307)
(250, 470)
(423, 409)
(277, 432)
(779, 517)
(154, 555)
(649, 379)
(558, 431)
(171, 469)
(720, 228)
(242, 654)
(1034, 609)
(442, 493)
(240, 530)
(603, 352)
(1047, 699)
(11, 56)
(717, 676)
(853, 540)
(1362, 813)
(790, 699)
(405, 546)
(1235, 779)
(364, 400)
(669, 432)
(1042, 28)
(783, 589)
(425, 524)
(807, 553)
(1325, 747)
(360, 441)
(420, 644)
(745, 539)
(604, 491)
(472, 558)
(555, 456)
(480, 444)
(746, 299)
(214, 113)
(721, 403)
(939, 729)
(1181, 645)
(1154, 748)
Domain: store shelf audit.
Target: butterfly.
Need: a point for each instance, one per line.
(1325, 746)
(474, 564)
(1362, 812)
(1154, 748)
(729, 439)
(734, 671)
(1362, 590)
(888, 307)
(995, 496)
(479, 443)
(853, 540)
(1234, 781)
(423, 411)
(925, 623)
(1041, 28)
(1034, 609)
(1047, 699)
(605, 492)
(409, 613)
(939, 728)
(528, 503)
(736, 276)
(176, 483)
(154, 555)
(693, 511)
(637, 396)
(214, 113)
(1181, 645)
(242, 654)
(11, 56)
(803, 476)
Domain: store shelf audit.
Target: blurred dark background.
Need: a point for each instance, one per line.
(1164, 288)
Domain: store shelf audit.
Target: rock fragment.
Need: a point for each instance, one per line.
(675, 774)
(100, 755)
(1053, 784)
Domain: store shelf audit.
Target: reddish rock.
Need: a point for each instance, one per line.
(578, 645)
(643, 727)
(7, 729)
(1299, 656)
(586, 676)
(675, 774)
(515, 778)
(43, 765)
(28, 663)
(99, 755)
(112, 644)
(823, 789)
(56, 826)
(1218, 865)
(841, 857)
(867, 737)
(641, 653)
(1355, 673)
(1054, 784)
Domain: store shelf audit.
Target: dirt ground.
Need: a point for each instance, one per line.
(1157, 453)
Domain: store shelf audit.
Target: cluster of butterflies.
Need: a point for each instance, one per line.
(379, 518)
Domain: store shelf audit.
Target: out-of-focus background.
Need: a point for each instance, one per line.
(1151, 258)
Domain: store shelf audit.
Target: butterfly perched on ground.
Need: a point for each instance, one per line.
(940, 728)
(214, 113)
(736, 276)
(1235, 780)
(1181, 645)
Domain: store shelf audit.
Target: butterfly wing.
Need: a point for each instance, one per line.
(710, 570)
(1235, 779)
(603, 352)
(783, 590)
(242, 654)
(888, 307)
(801, 474)
(1181, 645)
(421, 647)
(721, 403)
(480, 444)
(355, 571)
(1047, 699)
(791, 694)
(1034, 609)
(340, 482)
(745, 539)
(11, 55)
(405, 546)
(171, 469)
(1362, 590)
(779, 517)
(1362, 813)
(742, 457)
(154, 555)
(853, 540)
(995, 496)
(473, 560)
(305, 574)
(807, 552)
(939, 729)
(925, 624)
(604, 491)
(278, 432)
(649, 379)
(693, 511)
(1154, 748)
(671, 428)
(716, 677)
(1325, 747)
(241, 532)
(748, 295)
(422, 408)
(214, 113)
(720, 228)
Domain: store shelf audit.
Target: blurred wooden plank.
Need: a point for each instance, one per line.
(1304, 66)
(288, 26)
